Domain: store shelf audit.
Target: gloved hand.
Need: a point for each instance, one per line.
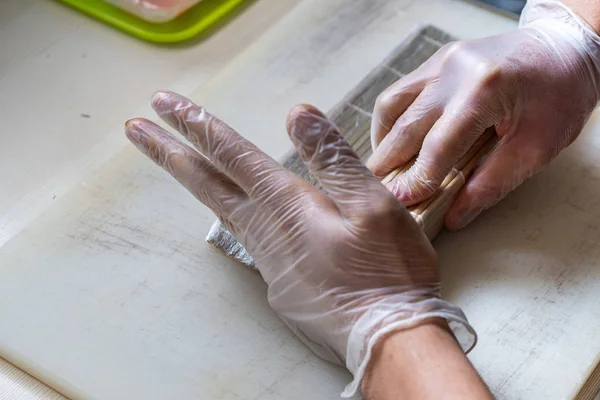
(342, 269)
(537, 86)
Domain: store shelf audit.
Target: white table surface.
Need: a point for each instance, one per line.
(63, 170)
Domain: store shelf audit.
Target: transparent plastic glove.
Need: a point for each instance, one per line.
(342, 269)
(537, 86)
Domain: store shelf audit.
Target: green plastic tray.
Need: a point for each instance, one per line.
(188, 25)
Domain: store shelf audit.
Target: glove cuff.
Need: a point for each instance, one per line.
(556, 23)
(399, 312)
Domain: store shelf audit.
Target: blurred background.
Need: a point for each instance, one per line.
(511, 6)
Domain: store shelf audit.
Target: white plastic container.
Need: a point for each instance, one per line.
(155, 10)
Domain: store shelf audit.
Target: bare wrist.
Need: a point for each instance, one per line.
(425, 361)
(393, 347)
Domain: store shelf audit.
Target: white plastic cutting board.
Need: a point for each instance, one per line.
(113, 294)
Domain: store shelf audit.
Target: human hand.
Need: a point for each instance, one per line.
(344, 268)
(537, 86)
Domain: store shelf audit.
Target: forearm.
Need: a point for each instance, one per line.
(589, 10)
(425, 362)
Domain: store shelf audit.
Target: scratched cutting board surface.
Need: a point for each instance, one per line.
(527, 273)
(113, 294)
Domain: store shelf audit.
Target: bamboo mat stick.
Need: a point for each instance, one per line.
(459, 179)
(431, 219)
(398, 171)
(458, 168)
